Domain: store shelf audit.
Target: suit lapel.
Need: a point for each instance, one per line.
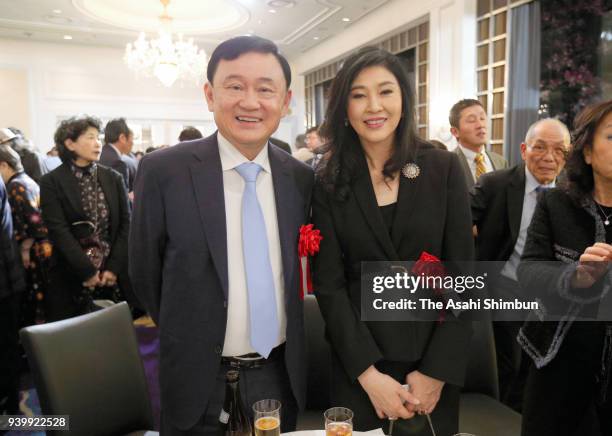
(469, 177)
(285, 196)
(405, 206)
(70, 187)
(111, 199)
(207, 179)
(366, 199)
(515, 195)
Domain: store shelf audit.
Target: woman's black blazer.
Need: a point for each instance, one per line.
(61, 206)
(432, 215)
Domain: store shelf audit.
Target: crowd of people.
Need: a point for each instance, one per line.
(203, 236)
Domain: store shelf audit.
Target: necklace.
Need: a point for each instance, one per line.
(606, 216)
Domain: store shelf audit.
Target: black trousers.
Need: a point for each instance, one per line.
(348, 393)
(561, 399)
(269, 381)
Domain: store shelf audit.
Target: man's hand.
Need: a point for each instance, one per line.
(592, 265)
(387, 395)
(426, 389)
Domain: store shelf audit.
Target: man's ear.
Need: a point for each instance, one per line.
(286, 103)
(455, 132)
(209, 95)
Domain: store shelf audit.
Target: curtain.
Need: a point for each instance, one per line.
(523, 77)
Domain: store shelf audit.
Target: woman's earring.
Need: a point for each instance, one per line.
(346, 122)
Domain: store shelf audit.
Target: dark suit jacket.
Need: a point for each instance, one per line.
(497, 207)
(122, 164)
(281, 144)
(432, 214)
(497, 161)
(179, 266)
(61, 206)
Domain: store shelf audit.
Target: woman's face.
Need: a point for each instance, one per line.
(375, 106)
(599, 155)
(87, 147)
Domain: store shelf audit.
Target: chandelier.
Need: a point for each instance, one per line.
(165, 58)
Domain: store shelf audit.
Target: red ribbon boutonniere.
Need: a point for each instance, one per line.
(308, 245)
(429, 265)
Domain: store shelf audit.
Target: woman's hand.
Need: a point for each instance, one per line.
(387, 395)
(26, 246)
(108, 278)
(92, 282)
(592, 265)
(426, 389)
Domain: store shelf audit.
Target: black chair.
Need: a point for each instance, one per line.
(89, 368)
(480, 411)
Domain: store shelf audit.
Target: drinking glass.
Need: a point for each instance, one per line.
(266, 414)
(338, 421)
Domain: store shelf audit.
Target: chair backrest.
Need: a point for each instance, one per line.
(319, 356)
(481, 373)
(89, 367)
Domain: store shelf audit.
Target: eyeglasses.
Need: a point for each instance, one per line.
(541, 150)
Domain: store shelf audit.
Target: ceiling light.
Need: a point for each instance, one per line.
(67, 37)
(165, 58)
(272, 11)
(57, 11)
(346, 19)
(315, 37)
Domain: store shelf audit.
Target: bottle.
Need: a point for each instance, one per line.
(233, 419)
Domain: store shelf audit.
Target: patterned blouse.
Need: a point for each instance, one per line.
(24, 198)
(94, 202)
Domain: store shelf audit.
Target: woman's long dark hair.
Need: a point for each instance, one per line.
(580, 181)
(343, 148)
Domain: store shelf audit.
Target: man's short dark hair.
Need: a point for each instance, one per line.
(235, 47)
(71, 129)
(10, 156)
(189, 133)
(455, 112)
(114, 129)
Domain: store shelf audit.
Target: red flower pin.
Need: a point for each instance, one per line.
(308, 245)
(429, 265)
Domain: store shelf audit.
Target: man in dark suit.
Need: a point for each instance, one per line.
(468, 121)
(503, 203)
(118, 143)
(214, 219)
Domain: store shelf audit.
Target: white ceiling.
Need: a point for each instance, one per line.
(295, 25)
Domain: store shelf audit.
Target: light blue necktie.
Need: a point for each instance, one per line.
(260, 282)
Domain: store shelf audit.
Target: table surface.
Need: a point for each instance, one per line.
(377, 432)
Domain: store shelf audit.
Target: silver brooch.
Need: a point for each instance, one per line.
(411, 170)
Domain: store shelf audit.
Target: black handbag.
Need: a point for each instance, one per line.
(89, 240)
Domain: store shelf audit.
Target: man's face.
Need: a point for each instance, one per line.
(126, 142)
(472, 130)
(313, 141)
(248, 97)
(545, 155)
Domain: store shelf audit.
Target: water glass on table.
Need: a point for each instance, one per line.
(266, 416)
(338, 421)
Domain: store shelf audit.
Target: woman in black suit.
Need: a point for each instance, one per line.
(383, 194)
(567, 258)
(85, 208)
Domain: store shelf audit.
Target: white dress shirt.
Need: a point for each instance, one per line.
(530, 200)
(237, 334)
(471, 155)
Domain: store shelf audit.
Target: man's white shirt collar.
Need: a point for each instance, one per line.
(470, 154)
(117, 150)
(231, 157)
(531, 183)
